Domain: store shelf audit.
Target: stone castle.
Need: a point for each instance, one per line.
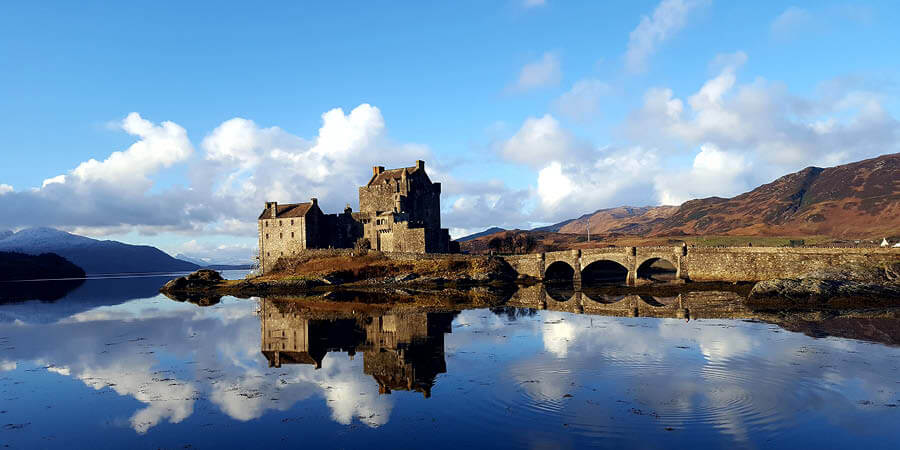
(400, 211)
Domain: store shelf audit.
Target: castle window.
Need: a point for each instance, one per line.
(292, 234)
(292, 222)
(267, 235)
(280, 235)
(268, 253)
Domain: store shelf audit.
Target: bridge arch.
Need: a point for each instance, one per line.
(560, 292)
(657, 269)
(603, 271)
(559, 272)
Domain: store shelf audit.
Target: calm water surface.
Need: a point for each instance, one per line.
(113, 364)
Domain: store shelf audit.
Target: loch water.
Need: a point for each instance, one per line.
(109, 363)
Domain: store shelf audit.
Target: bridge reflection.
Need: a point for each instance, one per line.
(684, 305)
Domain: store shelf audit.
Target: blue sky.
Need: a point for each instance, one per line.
(529, 112)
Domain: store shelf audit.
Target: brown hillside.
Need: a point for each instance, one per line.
(623, 219)
(860, 199)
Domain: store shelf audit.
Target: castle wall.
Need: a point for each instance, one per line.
(282, 237)
(380, 197)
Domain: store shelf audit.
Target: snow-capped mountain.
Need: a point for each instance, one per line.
(92, 255)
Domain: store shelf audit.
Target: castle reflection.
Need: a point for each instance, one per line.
(401, 351)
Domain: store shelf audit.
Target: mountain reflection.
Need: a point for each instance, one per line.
(401, 351)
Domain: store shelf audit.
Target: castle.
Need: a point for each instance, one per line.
(400, 211)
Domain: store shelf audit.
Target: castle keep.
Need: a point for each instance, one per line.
(400, 211)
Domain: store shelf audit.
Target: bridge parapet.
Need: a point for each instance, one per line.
(708, 263)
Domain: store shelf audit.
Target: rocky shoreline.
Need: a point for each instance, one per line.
(841, 285)
(846, 283)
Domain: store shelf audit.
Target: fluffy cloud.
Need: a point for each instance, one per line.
(540, 73)
(258, 164)
(243, 165)
(159, 146)
(542, 140)
(791, 20)
(117, 190)
(5, 188)
(668, 18)
(582, 102)
(573, 175)
(615, 177)
(766, 124)
(714, 173)
(482, 204)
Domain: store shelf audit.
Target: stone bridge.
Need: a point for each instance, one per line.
(728, 264)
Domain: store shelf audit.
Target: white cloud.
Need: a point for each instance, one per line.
(612, 178)
(533, 3)
(59, 179)
(582, 102)
(159, 146)
(542, 140)
(765, 124)
(486, 204)
(261, 164)
(668, 18)
(243, 166)
(543, 72)
(714, 173)
(795, 21)
(792, 20)
(4, 188)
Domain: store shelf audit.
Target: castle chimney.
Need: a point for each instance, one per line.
(376, 170)
(273, 209)
(314, 201)
(420, 164)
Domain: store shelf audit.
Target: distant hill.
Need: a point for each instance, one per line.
(20, 266)
(92, 255)
(491, 230)
(856, 200)
(189, 259)
(621, 219)
(216, 264)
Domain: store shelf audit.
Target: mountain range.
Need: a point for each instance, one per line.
(856, 200)
(92, 255)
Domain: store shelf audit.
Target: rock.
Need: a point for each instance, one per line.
(199, 280)
(840, 281)
(331, 280)
(405, 278)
